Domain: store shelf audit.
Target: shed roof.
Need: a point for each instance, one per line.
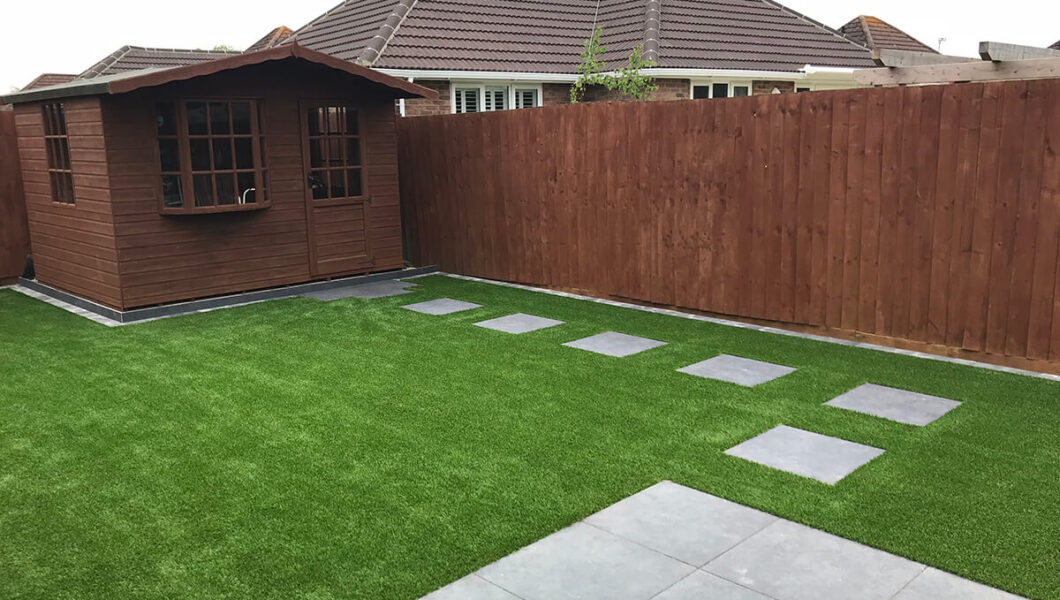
(546, 36)
(135, 58)
(120, 83)
(876, 34)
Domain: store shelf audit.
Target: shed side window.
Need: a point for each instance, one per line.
(57, 145)
(211, 154)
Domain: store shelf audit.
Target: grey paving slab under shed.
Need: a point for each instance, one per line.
(681, 522)
(616, 555)
(612, 343)
(897, 405)
(587, 563)
(794, 562)
(471, 587)
(518, 323)
(933, 584)
(738, 370)
(441, 306)
(705, 586)
(805, 453)
(376, 289)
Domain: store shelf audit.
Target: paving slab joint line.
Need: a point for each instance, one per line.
(495, 584)
(808, 336)
(908, 583)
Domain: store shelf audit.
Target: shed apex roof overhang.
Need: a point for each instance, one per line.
(134, 80)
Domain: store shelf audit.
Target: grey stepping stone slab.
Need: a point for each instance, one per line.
(894, 404)
(738, 370)
(794, 562)
(378, 289)
(704, 586)
(678, 521)
(805, 453)
(586, 563)
(612, 343)
(518, 323)
(933, 584)
(441, 306)
(471, 587)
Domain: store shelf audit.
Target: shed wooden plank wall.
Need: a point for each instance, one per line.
(929, 214)
(73, 244)
(14, 231)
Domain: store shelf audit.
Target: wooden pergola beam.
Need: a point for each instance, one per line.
(998, 51)
(1040, 68)
(886, 57)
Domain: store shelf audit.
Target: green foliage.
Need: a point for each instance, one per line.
(629, 81)
(224, 48)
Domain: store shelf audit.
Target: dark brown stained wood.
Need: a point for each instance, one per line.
(922, 214)
(14, 228)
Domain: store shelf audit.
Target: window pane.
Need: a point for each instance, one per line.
(316, 121)
(802, 89)
(318, 183)
(353, 176)
(240, 117)
(335, 152)
(52, 146)
(467, 100)
(496, 98)
(247, 193)
(352, 127)
(740, 91)
(222, 154)
(244, 153)
(353, 151)
(336, 119)
(700, 91)
(200, 155)
(317, 152)
(166, 114)
(226, 189)
(203, 190)
(171, 192)
(62, 187)
(196, 118)
(721, 90)
(170, 154)
(525, 98)
(219, 118)
(338, 184)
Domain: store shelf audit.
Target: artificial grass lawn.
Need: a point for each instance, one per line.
(351, 449)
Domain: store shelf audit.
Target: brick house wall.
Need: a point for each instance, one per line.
(419, 107)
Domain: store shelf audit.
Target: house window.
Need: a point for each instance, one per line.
(211, 155)
(527, 98)
(799, 90)
(721, 90)
(496, 98)
(57, 144)
(466, 100)
(472, 97)
(335, 153)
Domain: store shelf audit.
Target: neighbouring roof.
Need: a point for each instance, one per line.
(877, 34)
(1055, 46)
(46, 79)
(546, 36)
(134, 58)
(128, 81)
(271, 39)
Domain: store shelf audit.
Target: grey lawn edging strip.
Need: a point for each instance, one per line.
(761, 328)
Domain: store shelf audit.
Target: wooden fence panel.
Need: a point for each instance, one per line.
(14, 229)
(929, 214)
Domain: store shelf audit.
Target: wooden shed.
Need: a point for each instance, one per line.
(259, 170)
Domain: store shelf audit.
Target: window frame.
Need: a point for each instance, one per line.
(53, 115)
(362, 144)
(731, 85)
(187, 174)
(511, 89)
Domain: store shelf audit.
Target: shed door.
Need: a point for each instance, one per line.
(336, 199)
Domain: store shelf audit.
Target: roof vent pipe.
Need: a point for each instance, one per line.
(653, 18)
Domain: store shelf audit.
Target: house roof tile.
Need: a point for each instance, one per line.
(47, 79)
(271, 39)
(134, 58)
(877, 34)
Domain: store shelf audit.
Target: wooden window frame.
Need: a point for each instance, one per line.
(186, 173)
(362, 167)
(57, 147)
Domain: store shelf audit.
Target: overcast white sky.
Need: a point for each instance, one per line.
(68, 36)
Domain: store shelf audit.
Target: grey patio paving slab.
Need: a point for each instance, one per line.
(681, 522)
(704, 586)
(616, 344)
(789, 561)
(377, 289)
(735, 369)
(518, 323)
(441, 306)
(897, 405)
(585, 563)
(821, 457)
(933, 584)
(471, 587)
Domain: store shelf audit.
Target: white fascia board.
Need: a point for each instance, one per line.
(481, 75)
(809, 71)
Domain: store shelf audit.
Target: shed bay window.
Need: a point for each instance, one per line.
(211, 155)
